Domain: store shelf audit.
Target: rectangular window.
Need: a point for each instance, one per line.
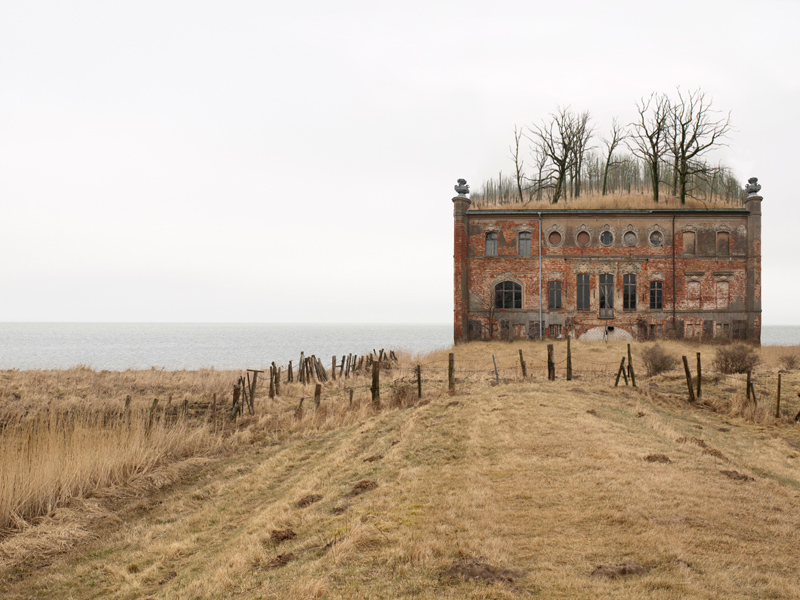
(606, 291)
(534, 330)
(491, 243)
(657, 294)
(555, 331)
(555, 294)
(629, 292)
(688, 242)
(583, 292)
(525, 243)
(723, 244)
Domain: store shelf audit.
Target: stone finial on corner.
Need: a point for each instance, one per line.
(753, 187)
(462, 188)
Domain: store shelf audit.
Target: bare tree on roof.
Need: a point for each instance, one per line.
(611, 143)
(557, 141)
(694, 129)
(648, 138)
(519, 164)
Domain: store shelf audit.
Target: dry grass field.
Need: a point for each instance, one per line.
(611, 201)
(529, 488)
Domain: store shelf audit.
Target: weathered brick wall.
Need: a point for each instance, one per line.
(709, 285)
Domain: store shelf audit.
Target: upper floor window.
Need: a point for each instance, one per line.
(657, 294)
(688, 242)
(491, 243)
(524, 243)
(554, 295)
(606, 291)
(508, 294)
(629, 292)
(583, 291)
(606, 238)
(583, 238)
(656, 238)
(723, 243)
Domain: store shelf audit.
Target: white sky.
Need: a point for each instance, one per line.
(246, 161)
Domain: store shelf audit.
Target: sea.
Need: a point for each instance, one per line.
(175, 346)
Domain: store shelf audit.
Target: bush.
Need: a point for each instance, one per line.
(656, 360)
(790, 362)
(738, 358)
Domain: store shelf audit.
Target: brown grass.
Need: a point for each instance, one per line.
(526, 488)
(612, 201)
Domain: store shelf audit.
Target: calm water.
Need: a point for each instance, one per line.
(119, 346)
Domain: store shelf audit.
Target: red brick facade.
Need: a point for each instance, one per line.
(650, 273)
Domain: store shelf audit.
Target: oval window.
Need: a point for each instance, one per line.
(584, 238)
(629, 238)
(656, 238)
(554, 238)
(606, 238)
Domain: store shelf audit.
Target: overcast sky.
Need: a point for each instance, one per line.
(246, 161)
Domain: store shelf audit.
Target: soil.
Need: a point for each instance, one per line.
(592, 411)
(617, 571)
(373, 458)
(280, 535)
(365, 485)
(472, 569)
(308, 500)
(716, 453)
(657, 458)
(736, 476)
(280, 561)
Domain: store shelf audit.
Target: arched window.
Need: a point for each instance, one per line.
(491, 243)
(508, 294)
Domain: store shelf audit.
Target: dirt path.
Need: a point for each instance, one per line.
(510, 492)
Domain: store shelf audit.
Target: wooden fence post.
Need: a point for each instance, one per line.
(621, 371)
(688, 379)
(272, 383)
(347, 370)
(451, 375)
(569, 358)
(630, 368)
(351, 397)
(333, 368)
(152, 415)
(317, 395)
(753, 394)
(419, 381)
(551, 363)
(290, 375)
(301, 368)
(699, 378)
(376, 385)
(747, 385)
(341, 369)
(778, 399)
(496, 374)
(523, 365)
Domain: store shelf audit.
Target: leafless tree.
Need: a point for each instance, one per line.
(694, 129)
(519, 164)
(648, 137)
(611, 143)
(557, 141)
(582, 133)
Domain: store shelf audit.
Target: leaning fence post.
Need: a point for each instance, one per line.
(272, 382)
(496, 374)
(523, 365)
(569, 359)
(419, 381)
(778, 399)
(376, 385)
(333, 368)
(699, 378)
(317, 394)
(747, 385)
(551, 364)
(688, 379)
(621, 371)
(451, 377)
(630, 368)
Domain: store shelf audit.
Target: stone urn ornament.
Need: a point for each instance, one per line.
(753, 187)
(462, 188)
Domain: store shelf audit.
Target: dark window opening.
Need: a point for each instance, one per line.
(656, 238)
(555, 331)
(583, 292)
(606, 238)
(491, 243)
(606, 291)
(554, 288)
(508, 295)
(657, 294)
(525, 243)
(629, 292)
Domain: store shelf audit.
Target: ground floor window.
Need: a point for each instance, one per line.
(554, 296)
(555, 331)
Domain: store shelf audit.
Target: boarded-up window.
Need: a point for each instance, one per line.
(688, 242)
(723, 243)
(534, 330)
(584, 238)
(693, 294)
(723, 289)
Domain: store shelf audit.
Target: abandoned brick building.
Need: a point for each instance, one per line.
(607, 274)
